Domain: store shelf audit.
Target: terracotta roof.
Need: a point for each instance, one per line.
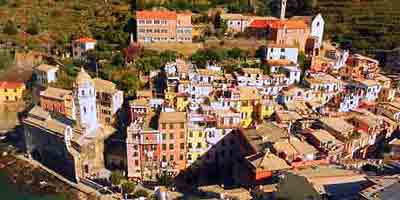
(285, 146)
(234, 16)
(85, 40)
(144, 93)
(338, 124)
(45, 67)
(269, 162)
(288, 115)
(252, 70)
(146, 14)
(248, 93)
(11, 84)
(172, 117)
(139, 102)
(322, 79)
(395, 141)
(324, 136)
(302, 147)
(281, 62)
(104, 85)
(278, 24)
(56, 93)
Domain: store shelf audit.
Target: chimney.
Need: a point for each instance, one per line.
(283, 9)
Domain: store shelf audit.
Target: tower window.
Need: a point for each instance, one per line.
(84, 110)
(83, 92)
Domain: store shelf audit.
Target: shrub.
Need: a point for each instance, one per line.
(10, 28)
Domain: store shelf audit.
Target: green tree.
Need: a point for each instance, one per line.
(128, 187)
(6, 59)
(118, 60)
(140, 193)
(165, 179)
(129, 83)
(33, 27)
(3, 2)
(10, 28)
(116, 177)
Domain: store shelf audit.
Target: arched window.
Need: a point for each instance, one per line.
(84, 110)
(83, 92)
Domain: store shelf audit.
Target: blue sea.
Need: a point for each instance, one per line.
(9, 191)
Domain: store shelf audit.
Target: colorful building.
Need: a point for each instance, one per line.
(81, 46)
(163, 26)
(109, 100)
(59, 101)
(11, 91)
(45, 74)
(172, 126)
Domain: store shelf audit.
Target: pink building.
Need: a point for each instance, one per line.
(163, 26)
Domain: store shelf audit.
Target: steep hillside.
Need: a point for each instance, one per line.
(369, 24)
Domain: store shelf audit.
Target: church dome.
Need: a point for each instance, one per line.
(83, 78)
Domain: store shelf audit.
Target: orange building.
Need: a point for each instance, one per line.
(284, 32)
(11, 91)
(163, 26)
(58, 100)
(172, 126)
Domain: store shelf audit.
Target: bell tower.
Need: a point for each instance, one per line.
(283, 9)
(85, 99)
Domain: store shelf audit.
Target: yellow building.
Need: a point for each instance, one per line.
(11, 91)
(181, 102)
(249, 98)
(197, 144)
(267, 108)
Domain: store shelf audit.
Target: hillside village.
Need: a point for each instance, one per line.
(294, 117)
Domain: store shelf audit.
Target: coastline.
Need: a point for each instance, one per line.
(31, 179)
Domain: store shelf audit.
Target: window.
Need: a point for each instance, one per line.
(83, 92)
(182, 135)
(136, 162)
(164, 126)
(135, 147)
(164, 147)
(164, 158)
(283, 57)
(148, 21)
(191, 134)
(182, 125)
(181, 157)
(198, 145)
(190, 157)
(156, 21)
(171, 126)
(182, 145)
(282, 50)
(171, 157)
(135, 154)
(15, 90)
(5, 90)
(171, 146)
(84, 110)
(164, 136)
(189, 145)
(171, 136)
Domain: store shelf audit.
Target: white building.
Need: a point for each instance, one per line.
(317, 29)
(45, 74)
(236, 22)
(282, 52)
(81, 46)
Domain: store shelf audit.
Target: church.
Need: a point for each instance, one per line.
(73, 147)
